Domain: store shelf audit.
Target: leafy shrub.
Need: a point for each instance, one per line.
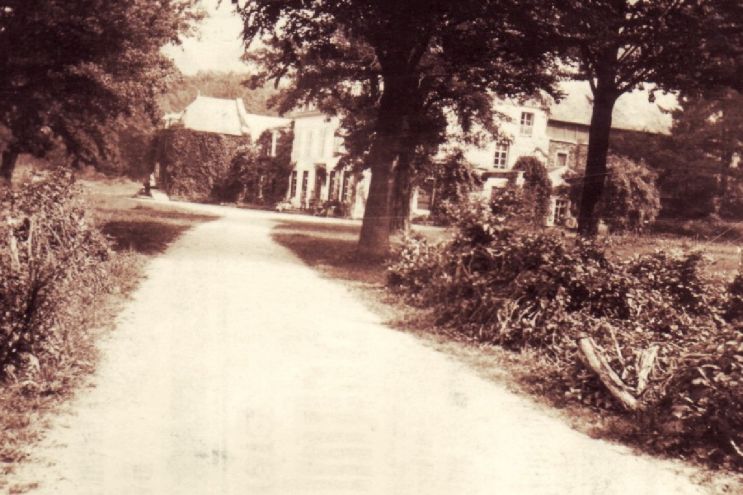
(202, 166)
(254, 175)
(194, 165)
(630, 200)
(526, 205)
(455, 181)
(523, 289)
(537, 188)
(51, 254)
(702, 409)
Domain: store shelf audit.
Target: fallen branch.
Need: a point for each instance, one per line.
(597, 363)
(617, 349)
(736, 448)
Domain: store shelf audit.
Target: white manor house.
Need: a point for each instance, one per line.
(554, 132)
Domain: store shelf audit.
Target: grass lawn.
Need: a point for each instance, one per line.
(138, 231)
(330, 249)
(723, 255)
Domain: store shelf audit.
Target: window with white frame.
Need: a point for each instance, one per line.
(527, 123)
(562, 159)
(500, 160)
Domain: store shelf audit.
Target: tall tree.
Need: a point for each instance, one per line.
(618, 45)
(403, 47)
(70, 69)
(708, 135)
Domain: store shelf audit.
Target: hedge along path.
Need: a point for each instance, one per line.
(236, 369)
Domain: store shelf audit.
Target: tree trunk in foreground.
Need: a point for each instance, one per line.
(598, 149)
(374, 241)
(7, 166)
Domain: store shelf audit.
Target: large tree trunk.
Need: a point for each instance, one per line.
(7, 166)
(374, 241)
(402, 194)
(598, 147)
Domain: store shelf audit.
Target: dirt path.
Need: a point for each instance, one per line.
(238, 370)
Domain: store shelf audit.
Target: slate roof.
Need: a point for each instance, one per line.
(633, 111)
(224, 116)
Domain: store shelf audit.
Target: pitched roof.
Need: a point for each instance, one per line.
(633, 111)
(259, 123)
(223, 116)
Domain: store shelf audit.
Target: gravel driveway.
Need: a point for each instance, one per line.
(238, 370)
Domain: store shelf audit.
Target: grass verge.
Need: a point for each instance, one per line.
(137, 232)
(330, 249)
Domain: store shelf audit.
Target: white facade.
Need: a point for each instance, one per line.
(315, 178)
(519, 140)
(554, 132)
(523, 130)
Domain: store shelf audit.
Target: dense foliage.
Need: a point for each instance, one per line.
(621, 45)
(70, 70)
(517, 289)
(53, 260)
(697, 160)
(229, 85)
(630, 201)
(255, 176)
(204, 166)
(194, 165)
(454, 181)
(525, 199)
(408, 64)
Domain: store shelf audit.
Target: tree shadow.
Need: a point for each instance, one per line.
(147, 230)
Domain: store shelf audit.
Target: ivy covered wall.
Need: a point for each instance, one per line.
(194, 165)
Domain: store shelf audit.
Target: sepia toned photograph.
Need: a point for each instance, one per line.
(374, 247)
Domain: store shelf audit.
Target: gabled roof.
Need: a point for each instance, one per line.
(633, 111)
(223, 116)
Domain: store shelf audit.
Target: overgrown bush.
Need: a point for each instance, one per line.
(203, 166)
(630, 201)
(194, 165)
(53, 259)
(701, 410)
(520, 289)
(537, 189)
(254, 175)
(455, 180)
(527, 204)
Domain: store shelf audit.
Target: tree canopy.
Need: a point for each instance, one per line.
(700, 159)
(406, 63)
(182, 91)
(707, 139)
(620, 45)
(69, 70)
